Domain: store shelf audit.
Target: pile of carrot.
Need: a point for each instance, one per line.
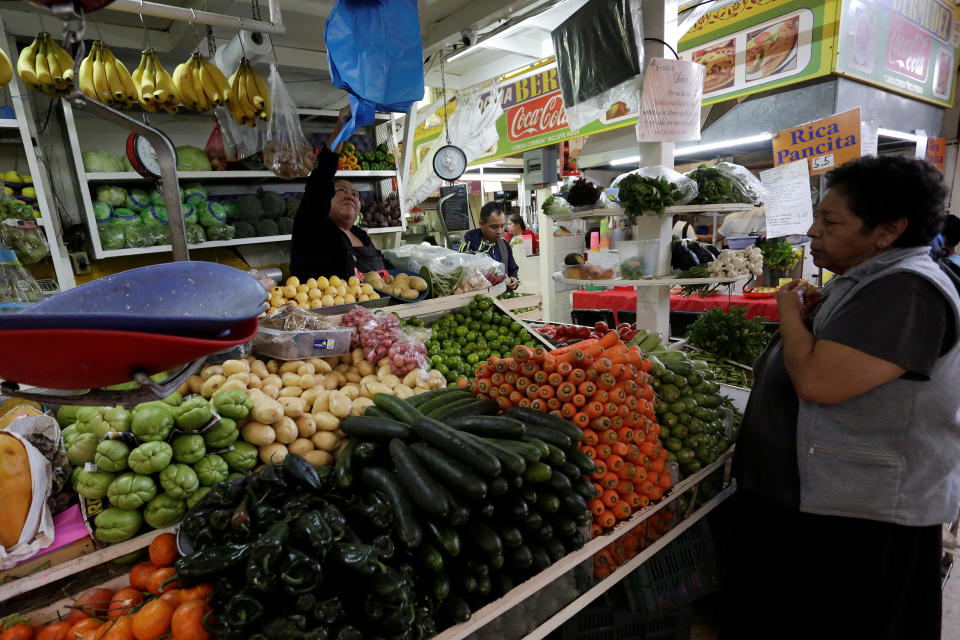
(627, 546)
(603, 387)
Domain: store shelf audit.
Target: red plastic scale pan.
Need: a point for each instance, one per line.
(91, 358)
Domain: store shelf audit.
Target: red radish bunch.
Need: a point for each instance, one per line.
(378, 335)
(407, 355)
(625, 331)
(357, 318)
(564, 332)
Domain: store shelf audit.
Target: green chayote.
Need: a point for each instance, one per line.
(174, 399)
(189, 449)
(222, 435)
(243, 457)
(116, 525)
(150, 457)
(112, 455)
(196, 495)
(83, 448)
(151, 422)
(211, 470)
(195, 413)
(70, 434)
(67, 414)
(118, 418)
(233, 475)
(91, 420)
(233, 403)
(131, 491)
(92, 485)
(164, 510)
(179, 480)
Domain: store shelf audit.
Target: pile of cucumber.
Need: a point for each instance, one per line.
(480, 502)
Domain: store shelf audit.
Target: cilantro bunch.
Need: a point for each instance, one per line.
(729, 334)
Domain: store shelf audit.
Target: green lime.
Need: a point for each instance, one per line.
(473, 358)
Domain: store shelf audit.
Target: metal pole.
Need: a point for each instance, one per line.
(184, 14)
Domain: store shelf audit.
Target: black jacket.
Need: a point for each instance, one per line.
(319, 247)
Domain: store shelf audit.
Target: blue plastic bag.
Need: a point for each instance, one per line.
(376, 54)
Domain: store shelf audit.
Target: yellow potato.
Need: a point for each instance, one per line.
(301, 446)
(349, 299)
(273, 453)
(374, 296)
(338, 300)
(303, 305)
(289, 291)
(363, 297)
(314, 294)
(342, 289)
(366, 288)
(409, 294)
(301, 297)
(302, 288)
(294, 281)
(318, 458)
(322, 282)
(325, 440)
(276, 291)
(316, 304)
(335, 281)
(311, 283)
(327, 300)
(353, 281)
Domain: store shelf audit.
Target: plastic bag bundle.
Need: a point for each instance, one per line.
(378, 335)
(286, 151)
(111, 235)
(407, 353)
(25, 239)
(726, 182)
(608, 30)
(242, 140)
(447, 268)
(17, 285)
(215, 149)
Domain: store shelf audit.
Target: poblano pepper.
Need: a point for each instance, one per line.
(363, 559)
(329, 611)
(200, 565)
(301, 573)
(312, 531)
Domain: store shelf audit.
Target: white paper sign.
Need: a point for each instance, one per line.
(789, 210)
(868, 138)
(670, 108)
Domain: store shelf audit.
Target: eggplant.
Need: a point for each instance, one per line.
(682, 257)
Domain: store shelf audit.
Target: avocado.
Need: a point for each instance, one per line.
(573, 259)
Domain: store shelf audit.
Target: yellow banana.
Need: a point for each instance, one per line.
(6, 69)
(66, 65)
(264, 91)
(44, 79)
(114, 86)
(199, 78)
(26, 65)
(165, 92)
(86, 75)
(53, 64)
(217, 77)
(146, 87)
(100, 78)
(184, 87)
(253, 91)
(128, 92)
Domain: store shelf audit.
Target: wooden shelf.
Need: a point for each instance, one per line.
(656, 281)
(129, 176)
(212, 244)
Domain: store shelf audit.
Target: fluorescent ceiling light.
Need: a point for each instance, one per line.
(724, 144)
(626, 160)
(893, 133)
(492, 177)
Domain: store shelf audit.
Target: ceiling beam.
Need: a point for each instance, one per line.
(307, 7)
(474, 13)
(526, 47)
(23, 23)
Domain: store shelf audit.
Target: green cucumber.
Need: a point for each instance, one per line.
(386, 483)
(555, 549)
(344, 470)
(547, 503)
(420, 398)
(539, 444)
(459, 511)
(373, 428)
(564, 527)
(582, 460)
(499, 486)
(478, 567)
(441, 587)
(425, 491)
(585, 488)
(516, 507)
(454, 474)
(373, 411)
(476, 408)
(448, 405)
(453, 610)
(544, 533)
(538, 473)
(489, 426)
(444, 400)
(573, 504)
(556, 457)
(484, 586)
(520, 557)
(367, 450)
(569, 469)
(497, 561)
(532, 522)
(430, 558)
(446, 538)
(483, 536)
(541, 559)
(681, 367)
(549, 436)
(511, 463)
(529, 452)
(530, 417)
(509, 534)
(399, 409)
(503, 584)
(560, 484)
(454, 444)
(463, 581)
(574, 542)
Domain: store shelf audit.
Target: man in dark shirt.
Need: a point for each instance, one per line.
(488, 239)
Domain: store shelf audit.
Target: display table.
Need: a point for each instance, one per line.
(625, 299)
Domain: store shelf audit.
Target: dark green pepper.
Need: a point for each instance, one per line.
(384, 546)
(241, 610)
(312, 530)
(359, 558)
(344, 466)
(200, 565)
(306, 603)
(329, 611)
(336, 520)
(302, 574)
(349, 632)
(299, 469)
(390, 586)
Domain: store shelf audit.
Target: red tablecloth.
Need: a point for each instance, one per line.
(625, 299)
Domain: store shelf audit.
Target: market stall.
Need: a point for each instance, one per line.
(624, 299)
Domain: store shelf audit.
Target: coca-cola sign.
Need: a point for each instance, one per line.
(536, 117)
(908, 49)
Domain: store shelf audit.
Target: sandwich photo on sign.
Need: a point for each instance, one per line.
(719, 61)
(772, 50)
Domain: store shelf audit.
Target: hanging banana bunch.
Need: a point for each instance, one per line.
(154, 86)
(45, 66)
(6, 69)
(200, 84)
(249, 96)
(105, 79)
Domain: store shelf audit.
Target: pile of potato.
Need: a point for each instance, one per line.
(401, 285)
(298, 404)
(321, 292)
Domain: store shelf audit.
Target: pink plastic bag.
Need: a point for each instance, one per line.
(215, 149)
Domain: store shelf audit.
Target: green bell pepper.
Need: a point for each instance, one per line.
(112, 455)
(195, 413)
(232, 403)
(222, 435)
(189, 449)
(151, 422)
(196, 496)
(116, 525)
(150, 457)
(92, 485)
(131, 491)
(211, 470)
(179, 481)
(83, 448)
(118, 418)
(242, 457)
(164, 510)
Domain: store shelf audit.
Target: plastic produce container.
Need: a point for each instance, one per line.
(638, 258)
(297, 345)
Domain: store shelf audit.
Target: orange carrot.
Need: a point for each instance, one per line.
(602, 365)
(546, 391)
(622, 511)
(633, 499)
(600, 422)
(550, 364)
(524, 402)
(610, 497)
(589, 451)
(587, 388)
(596, 530)
(483, 385)
(608, 437)
(522, 383)
(605, 342)
(609, 481)
(497, 379)
(579, 400)
(656, 493)
(603, 451)
(623, 411)
(657, 465)
(515, 365)
(532, 390)
(601, 468)
(494, 392)
(628, 471)
(607, 381)
(504, 402)
(624, 487)
(601, 396)
(610, 409)
(593, 409)
(553, 405)
(650, 449)
(581, 420)
(590, 437)
(555, 380)
(566, 391)
(619, 448)
(614, 463)
(616, 423)
(564, 368)
(515, 397)
(665, 482)
(596, 507)
(537, 404)
(483, 371)
(505, 389)
(577, 376)
(583, 344)
(529, 368)
(568, 410)
(625, 435)
(510, 378)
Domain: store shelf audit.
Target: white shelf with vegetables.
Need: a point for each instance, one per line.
(218, 208)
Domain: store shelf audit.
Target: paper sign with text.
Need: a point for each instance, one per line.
(936, 152)
(788, 208)
(672, 94)
(825, 143)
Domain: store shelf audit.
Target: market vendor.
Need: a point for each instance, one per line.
(848, 457)
(488, 239)
(750, 222)
(326, 240)
(518, 228)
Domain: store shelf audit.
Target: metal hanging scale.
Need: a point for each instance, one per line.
(450, 161)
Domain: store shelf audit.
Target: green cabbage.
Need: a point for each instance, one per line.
(156, 197)
(125, 161)
(125, 216)
(192, 159)
(137, 200)
(195, 234)
(220, 231)
(154, 214)
(249, 208)
(111, 235)
(212, 213)
(137, 235)
(102, 211)
(230, 210)
(194, 191)
(285, 225)
(97, 161)
(293, 204)
(113, 196)
(189, 213)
